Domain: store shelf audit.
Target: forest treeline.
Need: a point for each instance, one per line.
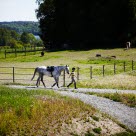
(22, 26)
(12, 39)
(87, 24)
(19, 34)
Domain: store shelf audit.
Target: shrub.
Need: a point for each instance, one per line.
(97, 130)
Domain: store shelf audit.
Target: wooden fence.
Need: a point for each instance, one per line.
(24, 75)
(23, 50)
(114, 69)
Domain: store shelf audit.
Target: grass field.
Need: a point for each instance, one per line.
(127, 99)
(38, 112)
(83, 60)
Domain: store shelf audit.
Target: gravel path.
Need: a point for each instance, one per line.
(84, 90)
(126, 115)
(122, 113)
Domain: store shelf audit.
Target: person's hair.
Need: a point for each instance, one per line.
(73, 68)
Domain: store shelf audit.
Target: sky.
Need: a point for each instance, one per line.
(18, 10)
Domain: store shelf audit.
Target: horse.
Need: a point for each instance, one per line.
(43, 70)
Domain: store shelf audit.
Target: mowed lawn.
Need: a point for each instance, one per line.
(84, 60)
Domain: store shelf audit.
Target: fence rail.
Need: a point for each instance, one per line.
(23, 50)
(24, 75)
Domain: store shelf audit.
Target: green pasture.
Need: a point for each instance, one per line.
(40, 112)
(127, 99)
(118, 71)
(35, 112)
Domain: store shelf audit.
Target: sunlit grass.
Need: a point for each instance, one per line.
(119, 78)
(119, 81)
(37, 112)
(127, 99)
(28, 58)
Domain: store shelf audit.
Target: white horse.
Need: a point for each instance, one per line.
(42, 70)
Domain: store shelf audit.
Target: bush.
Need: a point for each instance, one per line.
(97, 130)
(15, 44)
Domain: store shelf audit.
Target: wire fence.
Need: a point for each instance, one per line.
(24, 75)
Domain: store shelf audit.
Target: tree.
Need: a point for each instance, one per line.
(132, 10)
(46, 15)
(39, 42)
(4, 36)
(131, 33)
(22, 26)
(15, 35)
(15, 44)
(84, 23)
(32, 39)
(25, 38)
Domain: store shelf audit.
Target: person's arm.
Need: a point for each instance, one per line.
(69, 75)
(75, 75)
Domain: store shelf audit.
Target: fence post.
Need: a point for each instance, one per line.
(5, 54)
(77, 73)
(64, 78)
(124, 66)
(103, 71)
(132, 65)
(91, 72)
(114, 68)
(13, 74)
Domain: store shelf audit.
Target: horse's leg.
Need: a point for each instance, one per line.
(38, 81)
(54, 84)
(42, 80)
(57, 81)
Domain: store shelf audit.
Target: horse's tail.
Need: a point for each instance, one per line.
(34, 73)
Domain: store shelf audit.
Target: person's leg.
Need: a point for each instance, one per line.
(74, 83)
(70, 83)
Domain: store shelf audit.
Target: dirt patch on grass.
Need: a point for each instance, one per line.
(84, 124)
(80, 126)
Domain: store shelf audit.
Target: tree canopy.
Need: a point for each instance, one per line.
(22, 26)
(86, 23)
(11, 38)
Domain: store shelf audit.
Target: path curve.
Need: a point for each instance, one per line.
(124, 114)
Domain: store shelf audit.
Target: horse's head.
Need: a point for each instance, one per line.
(67, 69)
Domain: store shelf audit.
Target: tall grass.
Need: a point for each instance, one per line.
(36, 112)
(124, 81)
(127, 99)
